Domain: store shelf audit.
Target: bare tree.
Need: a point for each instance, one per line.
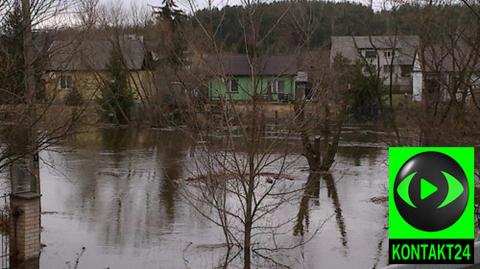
(31, 119)
(320, 115)
(446, 62)
(325, 109)
(240, 181)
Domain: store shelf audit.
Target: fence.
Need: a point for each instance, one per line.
(4, 231)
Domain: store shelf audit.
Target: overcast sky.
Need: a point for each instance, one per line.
(66, 19)
(182, 3)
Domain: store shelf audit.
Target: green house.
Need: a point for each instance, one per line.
(233, 77)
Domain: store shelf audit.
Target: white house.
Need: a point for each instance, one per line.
(392, 56)
(442, 72)
(417, 80)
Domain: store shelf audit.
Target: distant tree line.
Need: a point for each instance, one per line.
(332, 18)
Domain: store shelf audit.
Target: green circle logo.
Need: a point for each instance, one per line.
(431, 191)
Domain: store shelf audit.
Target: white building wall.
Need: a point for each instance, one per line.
(383, 60)
(417, 81)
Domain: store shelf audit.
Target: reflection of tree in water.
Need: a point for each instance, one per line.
(172, 169)
(312, 190)
(355, 155)
(333, 194)
(134, 159)
(116, 139)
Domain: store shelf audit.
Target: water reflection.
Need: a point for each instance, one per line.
(311, 192)
(333, 195)
(115, 194)
(355, 155)
(171, 165)
(124, 183)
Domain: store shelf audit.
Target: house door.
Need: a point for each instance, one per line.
(282, 97)
(269, 90)
(301, 90)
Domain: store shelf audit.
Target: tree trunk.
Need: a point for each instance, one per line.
(249, 204)
(247, 245)
(28, 53)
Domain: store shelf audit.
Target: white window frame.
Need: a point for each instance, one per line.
(66, 80)
(273, 86)
(230, 81)
(269, 87)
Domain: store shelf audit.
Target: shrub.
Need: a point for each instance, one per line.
(74, 98)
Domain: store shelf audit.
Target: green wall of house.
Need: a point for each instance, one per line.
(219, 88)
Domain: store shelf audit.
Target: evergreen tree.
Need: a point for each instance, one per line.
(116, 98)
(12, 89)
(170, 11)
(366, 93)
(169, 21)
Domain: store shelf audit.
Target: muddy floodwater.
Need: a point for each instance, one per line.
(107, 191)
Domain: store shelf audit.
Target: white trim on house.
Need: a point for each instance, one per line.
(417, 80)
(66, 82)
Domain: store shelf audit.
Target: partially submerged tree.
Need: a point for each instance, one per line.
(233, 177)
(320, 119)
(240, 177)
(321, 113)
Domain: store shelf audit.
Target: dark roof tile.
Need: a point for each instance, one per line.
(93, 55)
(242, 65)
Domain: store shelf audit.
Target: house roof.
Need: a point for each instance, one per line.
(349, 46)
(439, 59)
(74, 55)
(241, 64)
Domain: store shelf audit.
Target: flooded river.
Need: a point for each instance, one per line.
(108, 191)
